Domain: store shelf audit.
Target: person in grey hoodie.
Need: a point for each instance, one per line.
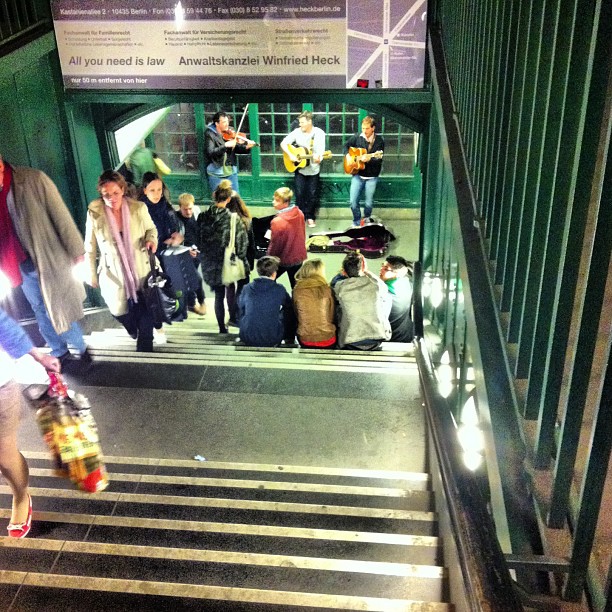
(265, 309)
(364, 304)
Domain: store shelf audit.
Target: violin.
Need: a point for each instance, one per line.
(230, 134)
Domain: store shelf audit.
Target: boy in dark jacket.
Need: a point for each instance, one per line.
(265, 309)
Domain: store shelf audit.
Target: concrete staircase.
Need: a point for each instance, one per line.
(172, 534)
(186, 535)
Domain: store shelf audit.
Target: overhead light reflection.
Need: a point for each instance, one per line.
(426, 287)
(179, 15)
(472, 461)
(445, 375)
(470, 435)
(436, 295)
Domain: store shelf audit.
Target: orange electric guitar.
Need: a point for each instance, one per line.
(303, 158)
(356, 159)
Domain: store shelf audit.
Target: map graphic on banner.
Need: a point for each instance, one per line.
(282, 44)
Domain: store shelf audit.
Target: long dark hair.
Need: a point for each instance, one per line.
(149, 177)
(237, 205)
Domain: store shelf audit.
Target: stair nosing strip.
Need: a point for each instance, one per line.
(236, 504)
(245, 351)
(360, 537)
(165, 359)
(255, 467)
(262, 485)
(383, 568)
(239, 594)
(194, 345)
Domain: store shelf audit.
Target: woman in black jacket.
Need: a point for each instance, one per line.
(214, 228)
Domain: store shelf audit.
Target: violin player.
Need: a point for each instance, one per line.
(221, 146)
(369, 163)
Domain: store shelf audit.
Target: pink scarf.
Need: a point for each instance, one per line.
(125, 248)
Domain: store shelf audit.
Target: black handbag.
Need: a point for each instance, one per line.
(159, 295)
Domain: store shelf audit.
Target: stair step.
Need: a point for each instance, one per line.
(239, 537)
(223, 569)
(234, 510)
(190, 346)
(412, 480)
(400, 499)
(252, 360)
(215, 341)
(235, 595)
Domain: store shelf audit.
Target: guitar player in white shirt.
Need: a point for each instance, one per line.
(312, 139)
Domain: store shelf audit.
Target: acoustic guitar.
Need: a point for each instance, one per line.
(303, 158)
(356, 159)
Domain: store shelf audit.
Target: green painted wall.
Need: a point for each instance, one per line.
(391, 192)
(35, 129)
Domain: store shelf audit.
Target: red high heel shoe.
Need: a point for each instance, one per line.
(21, 530)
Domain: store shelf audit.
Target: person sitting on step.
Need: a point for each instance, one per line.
(313, 302)
(265, 310)
(364, 304)
(395, 273)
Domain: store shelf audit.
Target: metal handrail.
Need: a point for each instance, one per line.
(22, 20)
(486, 576)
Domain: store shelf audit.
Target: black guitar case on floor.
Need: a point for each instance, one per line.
(371, 240)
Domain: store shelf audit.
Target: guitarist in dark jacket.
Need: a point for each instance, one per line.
(363, 159)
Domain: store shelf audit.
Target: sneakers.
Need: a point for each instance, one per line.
(76, 365)
(199, 309)
(65, 358)
(85, 359)
(159, 336)
(233, 323)
(311, 223)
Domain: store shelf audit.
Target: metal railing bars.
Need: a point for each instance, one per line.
(488, 584)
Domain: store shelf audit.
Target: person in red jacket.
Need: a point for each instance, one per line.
(287, 234)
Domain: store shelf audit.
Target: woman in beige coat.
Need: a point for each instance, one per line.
(122, 230)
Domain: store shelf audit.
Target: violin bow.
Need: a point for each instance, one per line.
(246, 108)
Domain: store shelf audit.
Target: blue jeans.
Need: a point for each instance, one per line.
(214, 180)
(58, 343)
(306, 194)
(358, 185)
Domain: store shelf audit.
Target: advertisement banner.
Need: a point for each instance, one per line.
(201, 44)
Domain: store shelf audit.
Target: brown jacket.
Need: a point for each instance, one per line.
(313, 302)
(51, 238)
